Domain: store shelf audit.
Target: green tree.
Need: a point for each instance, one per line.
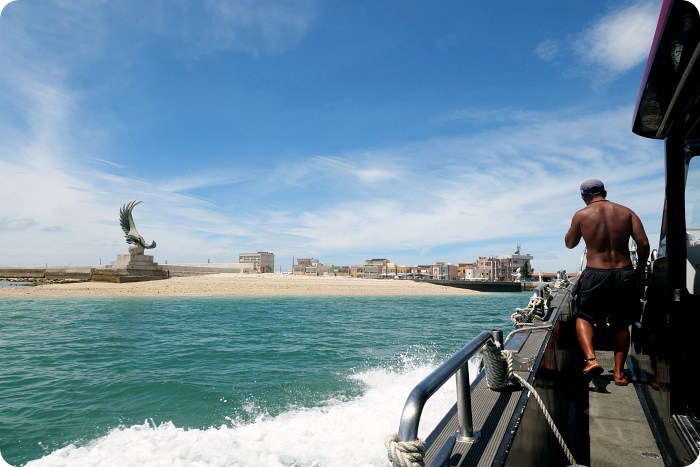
(526, 271)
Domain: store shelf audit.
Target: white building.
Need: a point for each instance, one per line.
(262, 261)
(514, 264)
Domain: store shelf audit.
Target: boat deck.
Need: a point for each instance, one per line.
(612, 419)
(606, 424)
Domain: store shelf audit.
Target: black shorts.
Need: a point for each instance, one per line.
(609, 297)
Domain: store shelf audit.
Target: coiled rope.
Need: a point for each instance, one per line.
(534, 311)
(404, 453)
(499, 372)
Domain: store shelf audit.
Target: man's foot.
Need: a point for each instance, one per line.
(620, 378)
(592, 369)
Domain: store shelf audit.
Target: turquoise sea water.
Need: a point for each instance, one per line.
(224, 381)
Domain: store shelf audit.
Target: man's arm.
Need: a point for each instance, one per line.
(573, 236)
(641, 239)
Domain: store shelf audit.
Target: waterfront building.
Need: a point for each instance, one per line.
(467, 271)
(372, 269)
(514, 263)
(502, 268)
(304, 265)
(262, 261)
(313, 267)
(421, 271)
(402, 271)
(388, 271)
(445, 271)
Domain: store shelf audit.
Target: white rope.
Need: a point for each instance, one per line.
(499, 372)
(534, 311)
(498, 366)
(404, 453)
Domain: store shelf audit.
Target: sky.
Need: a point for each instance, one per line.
(342, 131)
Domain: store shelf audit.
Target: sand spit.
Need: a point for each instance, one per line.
(238, 285)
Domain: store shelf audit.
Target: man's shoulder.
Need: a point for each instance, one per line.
(621, 208)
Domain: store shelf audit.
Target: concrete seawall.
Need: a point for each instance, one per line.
(86, 273)
(197, 269)
(485, 286)
(47, 273)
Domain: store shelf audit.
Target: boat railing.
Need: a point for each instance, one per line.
(457, 364)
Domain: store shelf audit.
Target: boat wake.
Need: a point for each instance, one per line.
(336, 432)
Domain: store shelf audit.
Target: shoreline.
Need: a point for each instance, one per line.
(239, 285)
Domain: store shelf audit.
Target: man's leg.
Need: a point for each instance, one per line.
(584, 332)
(622, 345)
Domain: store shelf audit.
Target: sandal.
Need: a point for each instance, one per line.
(594, 371)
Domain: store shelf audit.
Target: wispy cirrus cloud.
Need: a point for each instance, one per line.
(612, 45)
(213, 26)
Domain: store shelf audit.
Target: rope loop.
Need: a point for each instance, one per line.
(498, 365)
(404, 453)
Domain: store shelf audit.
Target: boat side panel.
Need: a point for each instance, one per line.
(537, 445)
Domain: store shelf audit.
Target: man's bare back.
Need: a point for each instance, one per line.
(606, 228)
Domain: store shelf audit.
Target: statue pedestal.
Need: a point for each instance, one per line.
(130, 268)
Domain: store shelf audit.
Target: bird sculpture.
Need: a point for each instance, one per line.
(136, 242)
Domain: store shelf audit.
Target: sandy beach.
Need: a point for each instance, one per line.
(238, 285)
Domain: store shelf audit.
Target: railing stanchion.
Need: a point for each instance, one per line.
(464, 405)
(497, 335)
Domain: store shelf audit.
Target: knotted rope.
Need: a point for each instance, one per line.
(404, 453)
(534, 311)
(499, 372)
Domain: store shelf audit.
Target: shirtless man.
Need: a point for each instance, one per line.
(609, 287)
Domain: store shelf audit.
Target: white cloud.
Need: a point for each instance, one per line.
(213, 26)
(547, 50)
(367, 171)
(621, 39)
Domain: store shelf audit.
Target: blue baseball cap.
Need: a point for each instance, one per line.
(592, 186)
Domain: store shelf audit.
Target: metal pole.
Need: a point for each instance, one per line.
(464, 405)
(497, 335)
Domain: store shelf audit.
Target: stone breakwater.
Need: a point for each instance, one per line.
(48, 274)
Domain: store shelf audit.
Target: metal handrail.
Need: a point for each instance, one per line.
(539, 290)
(457, 364)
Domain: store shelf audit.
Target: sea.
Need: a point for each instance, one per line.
(294, 381)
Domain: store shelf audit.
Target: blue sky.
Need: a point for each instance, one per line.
(344, 131)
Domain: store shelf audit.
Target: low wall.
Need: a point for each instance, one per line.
(96, 272)
(48, 273)
(184, 270)
(482, 286)
(22, 273)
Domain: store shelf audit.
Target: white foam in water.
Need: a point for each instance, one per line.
(347, 433)
(3, 463)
